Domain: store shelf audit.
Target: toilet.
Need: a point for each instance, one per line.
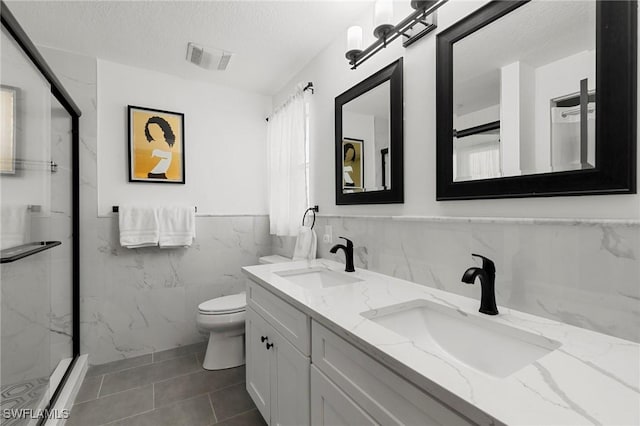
(223, 318)
(274, 258)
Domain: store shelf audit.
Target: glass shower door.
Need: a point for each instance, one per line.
(36, 222)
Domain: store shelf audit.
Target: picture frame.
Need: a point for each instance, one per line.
(9, 99)
(156, 145)
(352, 165)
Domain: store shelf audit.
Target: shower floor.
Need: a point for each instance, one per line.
(25, 395)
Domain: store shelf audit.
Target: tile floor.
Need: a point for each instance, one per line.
(164, 388)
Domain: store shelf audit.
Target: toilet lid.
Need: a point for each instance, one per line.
(225, 304)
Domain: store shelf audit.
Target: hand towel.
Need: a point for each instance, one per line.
(14, 227)
(306, 244)
(139, 226)
(177, 226)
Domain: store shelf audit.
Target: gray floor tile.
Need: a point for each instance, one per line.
(191, 412)
(147, 374)
(89, 389)
(250, 418)
(183, 387)
(231, 401)
(179, 351)
(122, 364)
(113, 407)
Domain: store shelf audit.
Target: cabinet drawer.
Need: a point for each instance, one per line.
(385, 396)
(332, 407)
(290, 322)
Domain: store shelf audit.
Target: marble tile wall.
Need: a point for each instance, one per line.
(582, 273)
(138, 301)
(26, 339)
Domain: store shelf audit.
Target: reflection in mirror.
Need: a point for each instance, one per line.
(366, 133)
(369, 140)
(524, 93)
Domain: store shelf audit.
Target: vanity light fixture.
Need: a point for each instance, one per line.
(385, 33)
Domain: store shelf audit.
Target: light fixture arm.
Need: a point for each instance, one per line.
(426, 8)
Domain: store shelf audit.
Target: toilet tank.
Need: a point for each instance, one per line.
(275, 258)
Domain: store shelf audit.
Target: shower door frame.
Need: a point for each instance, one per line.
(10, 23)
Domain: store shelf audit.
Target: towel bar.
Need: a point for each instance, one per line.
(115, 209)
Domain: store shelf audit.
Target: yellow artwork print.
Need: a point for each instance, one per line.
(156, 145)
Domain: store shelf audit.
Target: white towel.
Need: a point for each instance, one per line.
(13, 226)
(139, 226)
(306, 244)
(177, 226)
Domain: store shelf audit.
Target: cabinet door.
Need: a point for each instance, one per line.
(290, 376)
(332, 407)
(258, 363)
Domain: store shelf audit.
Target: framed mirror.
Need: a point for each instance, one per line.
(369, 140)
(537, 98)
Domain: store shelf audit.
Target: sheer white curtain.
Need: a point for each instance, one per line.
(286, 139)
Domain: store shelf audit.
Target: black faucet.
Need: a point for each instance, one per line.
(487, 276)
(348, 253)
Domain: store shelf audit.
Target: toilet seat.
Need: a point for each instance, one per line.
(224, 305)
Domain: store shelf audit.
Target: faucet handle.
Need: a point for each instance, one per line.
(487, 264)
(349, 242)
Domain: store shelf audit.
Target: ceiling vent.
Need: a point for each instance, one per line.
(208, 57)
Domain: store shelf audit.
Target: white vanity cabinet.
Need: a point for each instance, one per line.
(299, 373)
(369, 393)
(277, 370)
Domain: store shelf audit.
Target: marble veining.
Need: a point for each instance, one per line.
(145, 300)
(583, 274)
(493, 220)
(593, 378)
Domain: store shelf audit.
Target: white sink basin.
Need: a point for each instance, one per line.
(495, 349)
(318, 277)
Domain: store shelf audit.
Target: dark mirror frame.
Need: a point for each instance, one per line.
(616, 93)
(392, 73)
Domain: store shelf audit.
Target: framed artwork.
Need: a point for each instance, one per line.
(8, 101)
(156, 145)
(352, 165)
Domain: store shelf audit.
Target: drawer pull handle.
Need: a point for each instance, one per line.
(263, 338)
(269, 346)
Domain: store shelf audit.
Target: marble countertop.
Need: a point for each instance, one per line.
(592, 378)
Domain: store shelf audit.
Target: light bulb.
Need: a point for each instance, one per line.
(383, 14)
(354, 38)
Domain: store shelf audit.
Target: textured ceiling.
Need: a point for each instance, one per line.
(271, 40)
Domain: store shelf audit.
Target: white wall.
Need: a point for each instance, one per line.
(331, 76)
(225, 141)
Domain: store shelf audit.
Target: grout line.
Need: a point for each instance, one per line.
(215, 418)
(149, 411)
(128, 368)
(115, 393)
(163, 380)
(126, 418)
(100, 388)
(201, 370)
(200, 394)
(244, 412)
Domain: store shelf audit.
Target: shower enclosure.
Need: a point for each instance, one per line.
(39, 278)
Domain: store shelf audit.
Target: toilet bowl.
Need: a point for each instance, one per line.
(223, 318)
